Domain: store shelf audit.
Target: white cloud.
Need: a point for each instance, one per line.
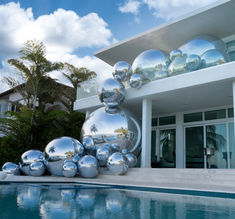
(131, 6)
(62, 31)
(168, 9)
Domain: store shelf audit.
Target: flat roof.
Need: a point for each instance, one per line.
(216, 19)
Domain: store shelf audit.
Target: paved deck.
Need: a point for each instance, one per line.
(203, 180)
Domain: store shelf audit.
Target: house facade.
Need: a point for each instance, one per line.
(188, 117)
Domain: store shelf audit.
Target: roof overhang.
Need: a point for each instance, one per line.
(216, 19)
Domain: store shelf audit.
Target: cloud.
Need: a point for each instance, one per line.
(168, 9)
(131, 6)
(63, 32)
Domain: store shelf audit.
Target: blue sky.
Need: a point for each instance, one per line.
(73, 30)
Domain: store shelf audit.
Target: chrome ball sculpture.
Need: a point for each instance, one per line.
(175, 53)
(117, 164)
(102, 155)
(69, 169)
(36, 168)
(178, 65)
(136, 81)
(118, 127)
(11, 168)
(211, 58)
(193, 62)
(115, 148)
(151, 64)
(131, 159)
(122, 71)
(111, 92)
(59, 150)
(88, 166)
(28, 158)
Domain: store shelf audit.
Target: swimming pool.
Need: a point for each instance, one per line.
(55, 201)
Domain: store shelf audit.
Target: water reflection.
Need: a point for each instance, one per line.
(73, 201)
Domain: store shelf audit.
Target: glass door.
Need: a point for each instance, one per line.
(194, 139)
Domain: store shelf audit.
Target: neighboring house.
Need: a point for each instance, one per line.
(11, 100)
(188, 118)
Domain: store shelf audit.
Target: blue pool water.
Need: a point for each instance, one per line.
(54, 201)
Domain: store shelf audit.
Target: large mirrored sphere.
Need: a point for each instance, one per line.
(131, 159)
(175, 53)
(59, 150)
(111, 92)
(88, 166)
(117, 163)
(193, 62)
(36, 168)
(201, 44)
(122, 71)
(69, 169)
(136, 81)
(102, 155)
(118, 127)
(151, 64)
(11, 168)
(28, 158)
(178, 65)
(211, 58)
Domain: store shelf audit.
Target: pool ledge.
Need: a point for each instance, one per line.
(191, 180)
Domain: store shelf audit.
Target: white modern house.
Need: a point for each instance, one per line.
(187, 119)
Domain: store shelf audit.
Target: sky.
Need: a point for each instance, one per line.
(73, 30)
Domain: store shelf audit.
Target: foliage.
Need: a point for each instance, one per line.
(76, 76)
(47, 126)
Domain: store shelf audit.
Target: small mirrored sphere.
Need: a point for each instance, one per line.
(28, 158)
(131, 160)
(119, 127)
(36, 168)
(88, 166)
(115, 148)
(59, 150)
(136, 81)
(193, 62)
(117, 164)
(11, 168)
(111, 92)
(151, 64)
(175, 53)
(124, 151)
(178, 65)
(211, 58)
(122, 71)
(201, 44)
(102, 155)
(69, 169)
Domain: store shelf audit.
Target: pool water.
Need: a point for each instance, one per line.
(53, 201)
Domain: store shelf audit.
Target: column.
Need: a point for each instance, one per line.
(179, 150)
(234, 106)
(146, 133)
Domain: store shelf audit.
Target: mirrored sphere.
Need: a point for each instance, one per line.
(136, 81)
(102, 155)
(201, 44)
(111, 92)
(88, 166)
(193, 62)
(59, 150)
(115, 148)
(124, 151)
(211, 58)
(11, 168)
(69, 169)
(151, 64)
(28, 158)
(131, 160)
(36, 168)
(122, 71)
(178, 65)
(117, 163)
(119, 127)
(175, 53)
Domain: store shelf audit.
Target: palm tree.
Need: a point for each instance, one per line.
(76, 76)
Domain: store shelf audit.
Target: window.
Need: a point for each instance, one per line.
(154, 122)
(230, 113)
(167, 120)
(193, 117)
(215, 114)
